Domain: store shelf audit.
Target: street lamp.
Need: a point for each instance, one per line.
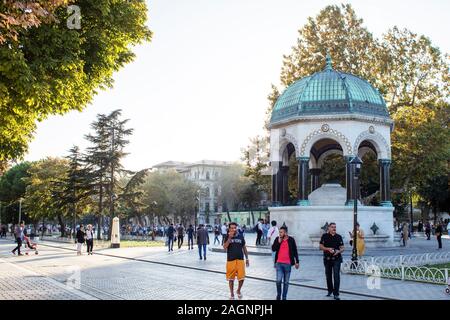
(356, 166)
(20, 209)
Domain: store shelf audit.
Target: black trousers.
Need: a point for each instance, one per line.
(19, 244)
(180, 241)
(90, 245)
(333, 272)
(439, 240)
(258, 237)
(428, 234)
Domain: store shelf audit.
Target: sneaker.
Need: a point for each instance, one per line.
(240, 296)
(20, 254)
(205, 258)
(329, 295)
(337, 298)
(13, 252)
(201, 258)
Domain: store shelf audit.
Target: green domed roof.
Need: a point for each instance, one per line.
(329, 92)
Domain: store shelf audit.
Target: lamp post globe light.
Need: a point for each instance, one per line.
(356, 168)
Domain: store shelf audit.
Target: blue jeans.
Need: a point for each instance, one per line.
(283, 275)
(200, 246)
(170, 243)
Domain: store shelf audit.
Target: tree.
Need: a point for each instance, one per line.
(17, 16)
(169, 195)
(256, 158)
(420, 145)
(130, 199)
(118, 135)
(436, 194)
(104, 158)
(12, 187)
(47, 68)
(74, 190)
(96, 161)
(232, 183)
(412, 70)
(39, 200)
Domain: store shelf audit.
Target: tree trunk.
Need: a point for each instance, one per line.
(110, 228)
(100, 209)
(62, 226)
(253, 217)
(228, 215)
(434, 214)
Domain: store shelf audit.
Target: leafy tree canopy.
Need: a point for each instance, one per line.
(47, 68)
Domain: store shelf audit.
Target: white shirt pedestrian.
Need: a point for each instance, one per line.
(272, 234)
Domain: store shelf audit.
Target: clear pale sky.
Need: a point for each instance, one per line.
(199, 89)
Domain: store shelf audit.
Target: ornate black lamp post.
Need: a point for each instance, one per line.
(356, 166)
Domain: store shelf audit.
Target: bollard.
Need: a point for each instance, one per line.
(115, 233)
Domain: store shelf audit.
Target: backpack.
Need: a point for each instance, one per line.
(255, 228)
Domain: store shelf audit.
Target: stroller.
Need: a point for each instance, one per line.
(30, 245)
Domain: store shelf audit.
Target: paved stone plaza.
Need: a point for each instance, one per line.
(152, 273)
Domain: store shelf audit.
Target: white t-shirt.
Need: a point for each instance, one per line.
(224, 229)
(272, 233)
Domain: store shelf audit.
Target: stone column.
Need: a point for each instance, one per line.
(349, 180)
(285, 192)
(315, 174)
(385, 182)
(303, 163)
(276, 190)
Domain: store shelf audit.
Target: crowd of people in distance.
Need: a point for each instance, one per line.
(231, 237)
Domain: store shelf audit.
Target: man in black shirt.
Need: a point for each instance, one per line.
(332, 246)
(190, 233)
(234, 244)
(170, 234)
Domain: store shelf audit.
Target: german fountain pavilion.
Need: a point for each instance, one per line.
(329, 112)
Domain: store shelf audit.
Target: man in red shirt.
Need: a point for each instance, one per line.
(286, 256)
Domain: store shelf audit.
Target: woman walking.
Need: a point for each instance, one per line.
(89, 239)
(360, 244)
(80, 238)
(405, 234)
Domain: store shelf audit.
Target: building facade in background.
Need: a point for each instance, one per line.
(206, 174)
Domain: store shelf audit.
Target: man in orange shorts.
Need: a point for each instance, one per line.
(234, 244)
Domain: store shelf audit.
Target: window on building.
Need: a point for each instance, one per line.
(207, 175)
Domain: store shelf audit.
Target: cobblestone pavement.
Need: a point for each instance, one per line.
(20, 283)
(114, 274)
(106, 277)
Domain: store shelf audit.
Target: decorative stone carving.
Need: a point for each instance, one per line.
(330, 133)
(325, 127)
(381, 142)
(289, 138)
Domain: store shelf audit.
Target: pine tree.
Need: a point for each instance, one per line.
(97, 161)
(104, 158)
(74, 192)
